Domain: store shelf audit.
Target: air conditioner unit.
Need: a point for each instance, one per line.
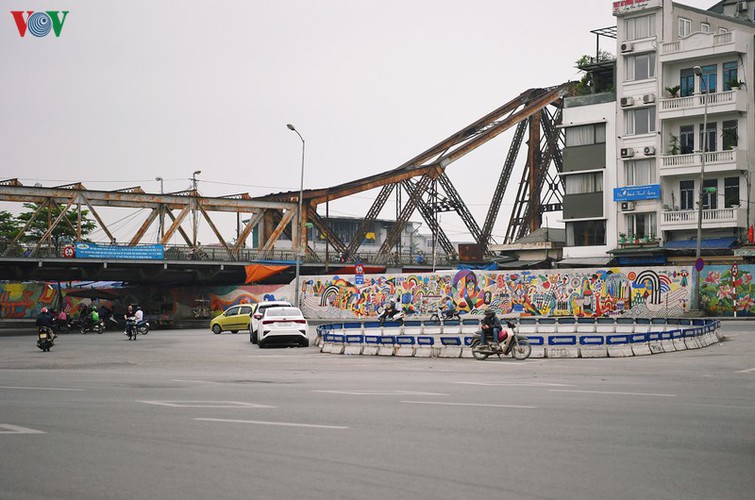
(648, 98)
(741, 6)
(627, 101)
(627, 152)
(627, 47)
(649, 150)
(627, 206)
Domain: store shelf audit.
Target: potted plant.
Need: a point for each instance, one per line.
(673, 145)
(735, 84)
(673, 92)
(622, 238)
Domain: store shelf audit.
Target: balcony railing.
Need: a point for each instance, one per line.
(715, 161)
(699, 100)
(721, 42)
(717, 217)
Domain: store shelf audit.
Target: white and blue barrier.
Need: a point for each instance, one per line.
(550, 337)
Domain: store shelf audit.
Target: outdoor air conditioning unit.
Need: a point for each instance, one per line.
(649, 150)
(626, 47)
(627, 152)
(741, 6)
(627, 101)
(648, 98)
(627, 206)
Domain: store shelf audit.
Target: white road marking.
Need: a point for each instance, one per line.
(41, 388)
(205, 404)
(15, 429)
(750, 370)
(383, 393)
(469, 404)
(515, 384)
(614, 393)
(283, 424)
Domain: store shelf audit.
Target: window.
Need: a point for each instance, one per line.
(729, 74)
(687, 139)
(586, 134)
(583, 183)
(640, 121)
(710, 191)
(685, 27)
(729, 136)
(687, 192)
(586, 233)
(705, 27)
(710, 74)
(641, 224)
(639, 172)
(640, 27)
(711, 137)
(687, 82)
(731, 192)
(640, 67)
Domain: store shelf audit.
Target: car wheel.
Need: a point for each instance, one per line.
(253, 335)
(234, 331)
(262, 344)
(216, 329)
(305, 343)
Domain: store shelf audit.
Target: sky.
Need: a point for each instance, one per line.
(134, 90)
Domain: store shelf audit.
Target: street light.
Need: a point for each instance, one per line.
(698, 248)
(161, 207)
(196, 222)
(301, 218)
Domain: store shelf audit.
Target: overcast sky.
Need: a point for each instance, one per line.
(139, 89)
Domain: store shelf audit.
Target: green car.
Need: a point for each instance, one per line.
(234, 318)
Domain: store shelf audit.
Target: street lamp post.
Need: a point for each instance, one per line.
(698, 248)
(194, 187)
(161, 208)
(300, 226)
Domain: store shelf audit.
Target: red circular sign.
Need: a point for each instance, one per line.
(68, 251)
(699, 264)
(360, 269)
(734, 270)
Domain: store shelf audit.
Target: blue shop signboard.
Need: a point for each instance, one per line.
(95, 251)
(632, 193)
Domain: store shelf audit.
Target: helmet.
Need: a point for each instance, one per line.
(44, 309)
(489, 312)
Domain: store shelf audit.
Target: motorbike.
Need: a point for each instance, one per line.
(60, 326)
(439, 316)
(513, 343)
(143, 327)
(131, 330)
(44, 338)
(98, 327)
(397, 316)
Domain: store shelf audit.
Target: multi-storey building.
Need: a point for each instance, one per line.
(685, 123)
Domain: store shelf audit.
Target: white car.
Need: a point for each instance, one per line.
(283, 325)
(259, 311)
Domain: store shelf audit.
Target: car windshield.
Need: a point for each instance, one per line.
(283, 311)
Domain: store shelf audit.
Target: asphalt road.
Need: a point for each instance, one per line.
(187, 414)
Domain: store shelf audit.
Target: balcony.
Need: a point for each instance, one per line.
(675, 220)
(694, 105)
(698, 45)
(715, 161)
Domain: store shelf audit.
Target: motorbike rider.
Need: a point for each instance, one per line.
(91, 319)
(491, 327)
(390, 310)
(450, 309)
(45, 319)
(139, 316)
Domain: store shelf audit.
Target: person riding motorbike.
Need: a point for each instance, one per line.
(450, 309)
(391, 310)
(139, 316)
(491, 327)
(91, 319)
(45, 319)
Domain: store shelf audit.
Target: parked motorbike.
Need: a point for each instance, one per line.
(44, 338)
(143, 327)
(131, 330)
(509, 342)
(98, 327)
(439, 316)
(60, 326)
(398, 316)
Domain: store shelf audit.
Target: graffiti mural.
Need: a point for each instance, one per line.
(558, 292)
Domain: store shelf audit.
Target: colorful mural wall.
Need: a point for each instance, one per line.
(642, 292)
(559, 292)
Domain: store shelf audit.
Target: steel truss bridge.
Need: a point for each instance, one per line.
(419, 185)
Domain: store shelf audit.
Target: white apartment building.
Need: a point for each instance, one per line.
(684, 80)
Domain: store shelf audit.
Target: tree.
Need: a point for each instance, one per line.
(40, 224)
(9, 227)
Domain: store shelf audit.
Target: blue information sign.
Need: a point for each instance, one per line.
(94, 251)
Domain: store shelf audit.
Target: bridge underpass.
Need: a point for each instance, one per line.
(418, 185)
